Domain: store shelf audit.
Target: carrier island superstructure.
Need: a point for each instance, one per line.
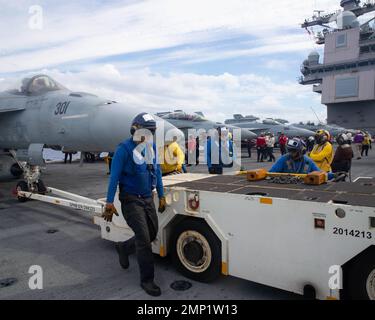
(345, 77)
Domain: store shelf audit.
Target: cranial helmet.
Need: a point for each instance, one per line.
(143, 121)
(322, 136)
(296, 147)
(342, 138)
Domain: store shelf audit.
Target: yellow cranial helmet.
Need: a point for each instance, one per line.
(322, 136)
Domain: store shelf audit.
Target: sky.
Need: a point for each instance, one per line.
(220, 57)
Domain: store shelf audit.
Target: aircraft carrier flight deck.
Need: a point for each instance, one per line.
(66, 242)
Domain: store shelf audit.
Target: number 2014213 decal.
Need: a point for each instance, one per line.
(352, 233)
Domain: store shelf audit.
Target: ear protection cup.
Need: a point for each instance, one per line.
(133, 129)
(322, 136)
(342, 139)
(304, 147)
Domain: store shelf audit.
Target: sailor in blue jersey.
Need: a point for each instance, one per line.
(295, 161)
(219, 151)
(136, 171)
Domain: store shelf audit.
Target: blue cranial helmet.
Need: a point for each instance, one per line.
(296, 146)
(143, 121)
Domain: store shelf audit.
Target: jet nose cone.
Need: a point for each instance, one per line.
(308, 133)
(110, 125)
(305, 133)
(247, 135)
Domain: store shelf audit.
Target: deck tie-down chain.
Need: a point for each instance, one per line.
(285, 180)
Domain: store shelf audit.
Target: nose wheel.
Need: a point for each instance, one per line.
(31, 173)
(36, 187)
(22, 186)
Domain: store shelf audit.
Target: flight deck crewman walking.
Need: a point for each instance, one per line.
(135, 169)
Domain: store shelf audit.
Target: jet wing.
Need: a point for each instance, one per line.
(258, 130)
(11, 103)
(4, 109)
(184, 127)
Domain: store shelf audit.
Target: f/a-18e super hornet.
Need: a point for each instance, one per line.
(268, 125)
(332, 129)
(41, 112)
(197, 121)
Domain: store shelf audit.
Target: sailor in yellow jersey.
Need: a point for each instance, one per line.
(322, 153)
(174, 158)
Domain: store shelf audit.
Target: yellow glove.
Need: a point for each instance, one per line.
(109, 211)
(162, 204)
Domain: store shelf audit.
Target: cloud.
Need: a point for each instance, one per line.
(134, 37)
(78, 31)
(218, 96)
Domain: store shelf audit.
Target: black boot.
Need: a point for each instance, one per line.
(151, 288)
(122, 255)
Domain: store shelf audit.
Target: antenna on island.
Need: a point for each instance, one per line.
(316, 115)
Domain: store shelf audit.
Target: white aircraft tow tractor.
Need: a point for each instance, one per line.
(317, 240)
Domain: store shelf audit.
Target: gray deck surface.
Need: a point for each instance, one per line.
(78, 264)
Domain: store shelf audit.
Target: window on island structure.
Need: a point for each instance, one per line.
(347, 87)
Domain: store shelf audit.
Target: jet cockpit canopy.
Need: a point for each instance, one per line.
(181, 115)
(37, 85)
(270, 121)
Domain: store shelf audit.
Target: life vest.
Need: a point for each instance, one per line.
(139, 169)
(303, 167)
(322, 155)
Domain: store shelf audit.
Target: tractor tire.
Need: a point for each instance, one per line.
(196, 251)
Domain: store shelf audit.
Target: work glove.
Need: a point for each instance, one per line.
(162, 204)
(109, 211)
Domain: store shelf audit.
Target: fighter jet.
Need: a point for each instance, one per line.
(332, 129)
(42, 112)
(282, 121)
(185, 121)
(268, 125)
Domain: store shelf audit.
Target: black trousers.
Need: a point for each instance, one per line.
(215, 169)
(270, 154)
(109, 164)
(261, 154)
(249, 151)
(365, 149)
(282, 149)
(341, 166)
(140, 215)
(68, 154)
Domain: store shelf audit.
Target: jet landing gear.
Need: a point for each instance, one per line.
(32, 182)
